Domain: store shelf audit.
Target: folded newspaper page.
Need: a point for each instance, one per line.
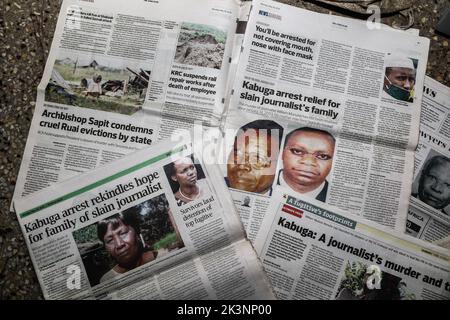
(156, 224)
(312, 251)
(331, 113)
(444, 242)
(429, 212)
(120, 77)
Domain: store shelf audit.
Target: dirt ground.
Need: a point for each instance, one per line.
(26, 30)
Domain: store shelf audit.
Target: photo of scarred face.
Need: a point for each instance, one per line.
(251, 164)
(185, 172)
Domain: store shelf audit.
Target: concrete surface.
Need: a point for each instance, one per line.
(26, 30)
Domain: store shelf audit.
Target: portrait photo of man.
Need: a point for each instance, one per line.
(434, 183)
(251, 164)
(246, 202)
(307, 161)
(399, 78)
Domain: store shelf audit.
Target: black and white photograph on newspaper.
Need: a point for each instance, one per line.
(432, 184)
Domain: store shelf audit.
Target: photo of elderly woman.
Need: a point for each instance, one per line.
(127, 240)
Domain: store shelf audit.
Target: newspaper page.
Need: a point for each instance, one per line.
(244, 13)
(156, 224)
(428, 215)
(118, 78)
(312, 251)
(330, 112)
(445, 242)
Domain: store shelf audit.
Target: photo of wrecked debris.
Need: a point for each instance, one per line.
(97, 84)
(201, 46)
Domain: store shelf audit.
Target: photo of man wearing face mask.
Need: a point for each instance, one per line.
(399, 79)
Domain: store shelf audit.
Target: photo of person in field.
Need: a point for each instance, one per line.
(127, 240)
(98, 83)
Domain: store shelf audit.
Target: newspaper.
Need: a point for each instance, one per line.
(311, 251)
(156, 224)
(445, 242)
(320, 111)
(119, 78)
(428, 215)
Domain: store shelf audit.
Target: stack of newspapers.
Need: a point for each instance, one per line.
(228, 150)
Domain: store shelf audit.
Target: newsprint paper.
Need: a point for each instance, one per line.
(311, 251)
(132, 230)
(121, 77)
(429, 212)
(323, 104)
